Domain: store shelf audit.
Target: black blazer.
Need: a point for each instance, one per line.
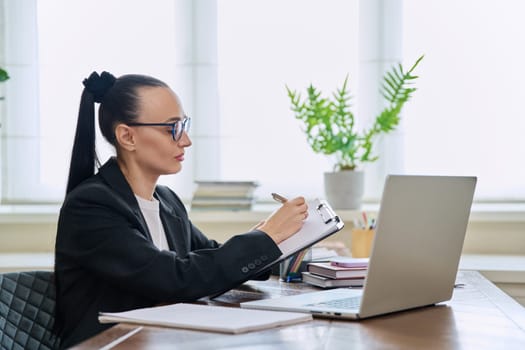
(105, 259)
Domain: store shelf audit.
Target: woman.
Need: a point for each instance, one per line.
(123, 242)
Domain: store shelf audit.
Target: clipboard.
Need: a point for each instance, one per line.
(322, 222)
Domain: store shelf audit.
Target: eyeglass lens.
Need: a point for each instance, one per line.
(179, 127)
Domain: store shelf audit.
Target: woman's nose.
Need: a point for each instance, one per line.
(185, 140)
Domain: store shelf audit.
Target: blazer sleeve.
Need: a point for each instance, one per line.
(197, 239)
(102, 236)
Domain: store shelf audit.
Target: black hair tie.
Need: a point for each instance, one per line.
(98, 85)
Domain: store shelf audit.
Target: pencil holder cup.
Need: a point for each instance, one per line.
(290, 269)
(361, 242)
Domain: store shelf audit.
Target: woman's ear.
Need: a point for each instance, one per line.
(125, 137)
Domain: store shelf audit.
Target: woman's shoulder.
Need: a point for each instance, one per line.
(93, 190)
(93, 183)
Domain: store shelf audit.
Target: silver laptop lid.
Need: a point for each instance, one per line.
(420, 232)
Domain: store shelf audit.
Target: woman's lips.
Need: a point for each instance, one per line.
(180, 157)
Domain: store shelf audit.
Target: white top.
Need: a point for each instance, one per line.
(150, 211)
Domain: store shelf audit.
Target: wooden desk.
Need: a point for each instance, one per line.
(479, 316)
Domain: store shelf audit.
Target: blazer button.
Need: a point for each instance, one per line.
(251, 266)
(257, 262)
(264, 257)
(245, 269)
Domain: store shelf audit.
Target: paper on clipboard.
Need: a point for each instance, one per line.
(322, 222)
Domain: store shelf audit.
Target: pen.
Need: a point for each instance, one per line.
(278, 198)
(365, 220)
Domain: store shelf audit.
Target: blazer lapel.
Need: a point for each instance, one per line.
(113, 176)
(177, 234)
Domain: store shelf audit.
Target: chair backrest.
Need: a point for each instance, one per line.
(27, 310)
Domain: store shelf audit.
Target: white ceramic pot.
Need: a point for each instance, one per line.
(344, 189)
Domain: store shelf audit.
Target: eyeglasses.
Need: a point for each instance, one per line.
(177, 128)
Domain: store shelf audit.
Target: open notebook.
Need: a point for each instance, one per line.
(205, 318)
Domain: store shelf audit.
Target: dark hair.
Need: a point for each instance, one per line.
(119, 103)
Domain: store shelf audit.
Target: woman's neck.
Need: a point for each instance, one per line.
(142, 184)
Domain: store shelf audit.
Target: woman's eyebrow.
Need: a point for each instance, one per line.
(173, 119)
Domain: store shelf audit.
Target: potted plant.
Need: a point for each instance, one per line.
(330, 129)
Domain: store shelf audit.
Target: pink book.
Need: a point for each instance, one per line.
(335, 272)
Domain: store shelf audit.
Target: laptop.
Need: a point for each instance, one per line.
(419, 236)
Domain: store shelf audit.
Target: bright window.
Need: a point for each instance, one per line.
(263, 46)
(67, 41)
(467, 117)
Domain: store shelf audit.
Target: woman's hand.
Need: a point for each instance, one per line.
(287, 220)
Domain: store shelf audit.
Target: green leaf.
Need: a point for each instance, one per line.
(329, 123)
(3, 75)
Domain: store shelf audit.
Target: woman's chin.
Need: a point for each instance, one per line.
(174, 169)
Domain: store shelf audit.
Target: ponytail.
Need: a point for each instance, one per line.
(84, 156)
(119, 103)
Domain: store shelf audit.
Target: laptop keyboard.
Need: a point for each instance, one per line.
(345, 303)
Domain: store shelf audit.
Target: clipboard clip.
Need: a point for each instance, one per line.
(326, 212)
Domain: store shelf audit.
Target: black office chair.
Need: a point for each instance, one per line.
(27, 310)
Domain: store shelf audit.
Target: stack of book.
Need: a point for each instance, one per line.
(339, 272)
(223, 195)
